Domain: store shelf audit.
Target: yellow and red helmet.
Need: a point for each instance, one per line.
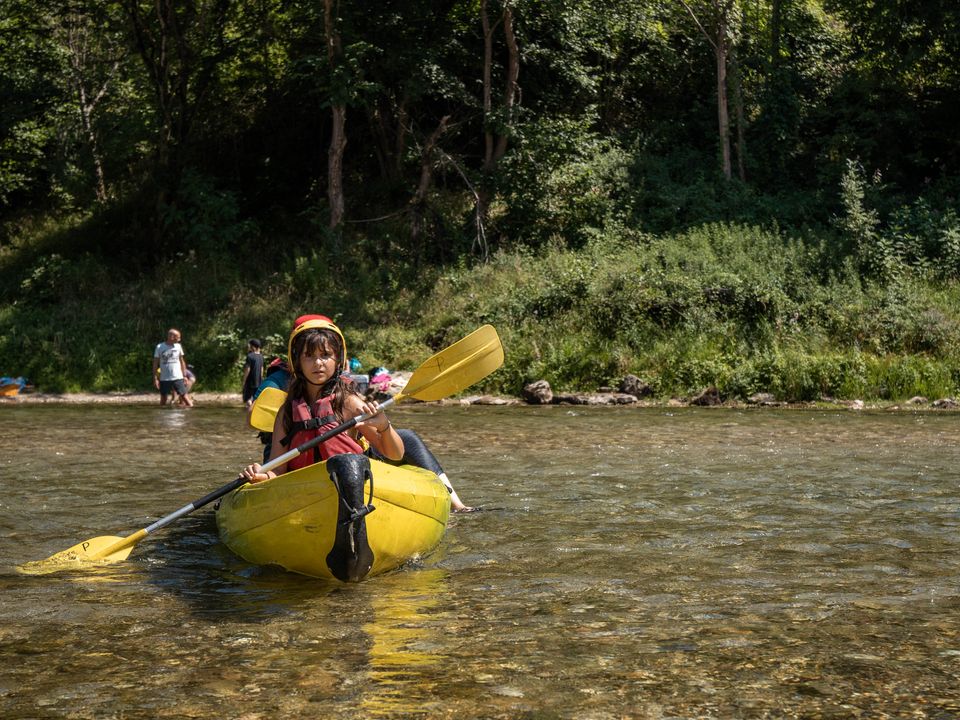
(315, 322)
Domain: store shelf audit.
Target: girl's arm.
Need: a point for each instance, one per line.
(253, 472)
(378, 430)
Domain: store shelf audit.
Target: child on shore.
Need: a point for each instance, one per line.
(252, 372)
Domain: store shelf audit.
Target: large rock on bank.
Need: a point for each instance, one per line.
(632, 385)
(538, 393)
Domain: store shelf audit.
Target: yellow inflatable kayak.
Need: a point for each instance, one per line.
(346, 518)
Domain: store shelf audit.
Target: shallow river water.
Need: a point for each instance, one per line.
(629, 563)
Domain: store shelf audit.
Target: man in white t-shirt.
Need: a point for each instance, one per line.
(169, 359)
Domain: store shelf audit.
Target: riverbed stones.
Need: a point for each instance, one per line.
(483, 400)
(599, 398)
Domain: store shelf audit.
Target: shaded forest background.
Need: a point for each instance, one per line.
(760, 195)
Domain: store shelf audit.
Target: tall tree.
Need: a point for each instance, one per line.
(497, 124)
(94, 52)
(776, 29)
(338, 116)
(496, 129)
(716, 20)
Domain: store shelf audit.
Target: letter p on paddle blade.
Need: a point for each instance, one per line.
(104, 550)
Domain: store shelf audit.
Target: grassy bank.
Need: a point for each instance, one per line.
(743, 308)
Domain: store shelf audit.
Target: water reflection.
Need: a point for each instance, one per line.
(406, 616)
(173, 419)
(190, 564)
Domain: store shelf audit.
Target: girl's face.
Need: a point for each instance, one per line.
(318, 361)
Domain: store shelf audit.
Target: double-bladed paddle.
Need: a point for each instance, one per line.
(453, 369)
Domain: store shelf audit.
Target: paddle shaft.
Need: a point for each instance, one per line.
(241, 480)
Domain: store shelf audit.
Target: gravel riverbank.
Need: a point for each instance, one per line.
(592, 399)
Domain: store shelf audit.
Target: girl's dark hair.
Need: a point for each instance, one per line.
(308, 342)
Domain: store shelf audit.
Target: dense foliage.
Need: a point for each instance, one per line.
(758, 196)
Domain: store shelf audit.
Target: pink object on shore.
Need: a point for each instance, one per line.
(381, 382)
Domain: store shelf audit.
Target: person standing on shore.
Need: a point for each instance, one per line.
(252, 372)
(169, 359)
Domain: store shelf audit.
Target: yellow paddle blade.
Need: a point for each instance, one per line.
(457, 367)
(449, 371)
(266, 407)
(105, 549)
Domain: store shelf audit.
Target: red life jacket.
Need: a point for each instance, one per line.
(310, 422)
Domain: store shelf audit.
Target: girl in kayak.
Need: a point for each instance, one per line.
(320, 398)
(415, 450)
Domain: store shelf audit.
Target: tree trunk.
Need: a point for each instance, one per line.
(338, 143)
(377, 122)
(487, 86)
(389, 129)
(513, 72)
(75, 30)
(426, 179)
(426, 161)
(720, 42)
(776, 23)
(495, 143)
(723, 111)
(400, 140)
(338, 134)
(86, 113)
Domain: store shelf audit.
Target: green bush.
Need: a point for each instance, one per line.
(903, 377)
(915, 235)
